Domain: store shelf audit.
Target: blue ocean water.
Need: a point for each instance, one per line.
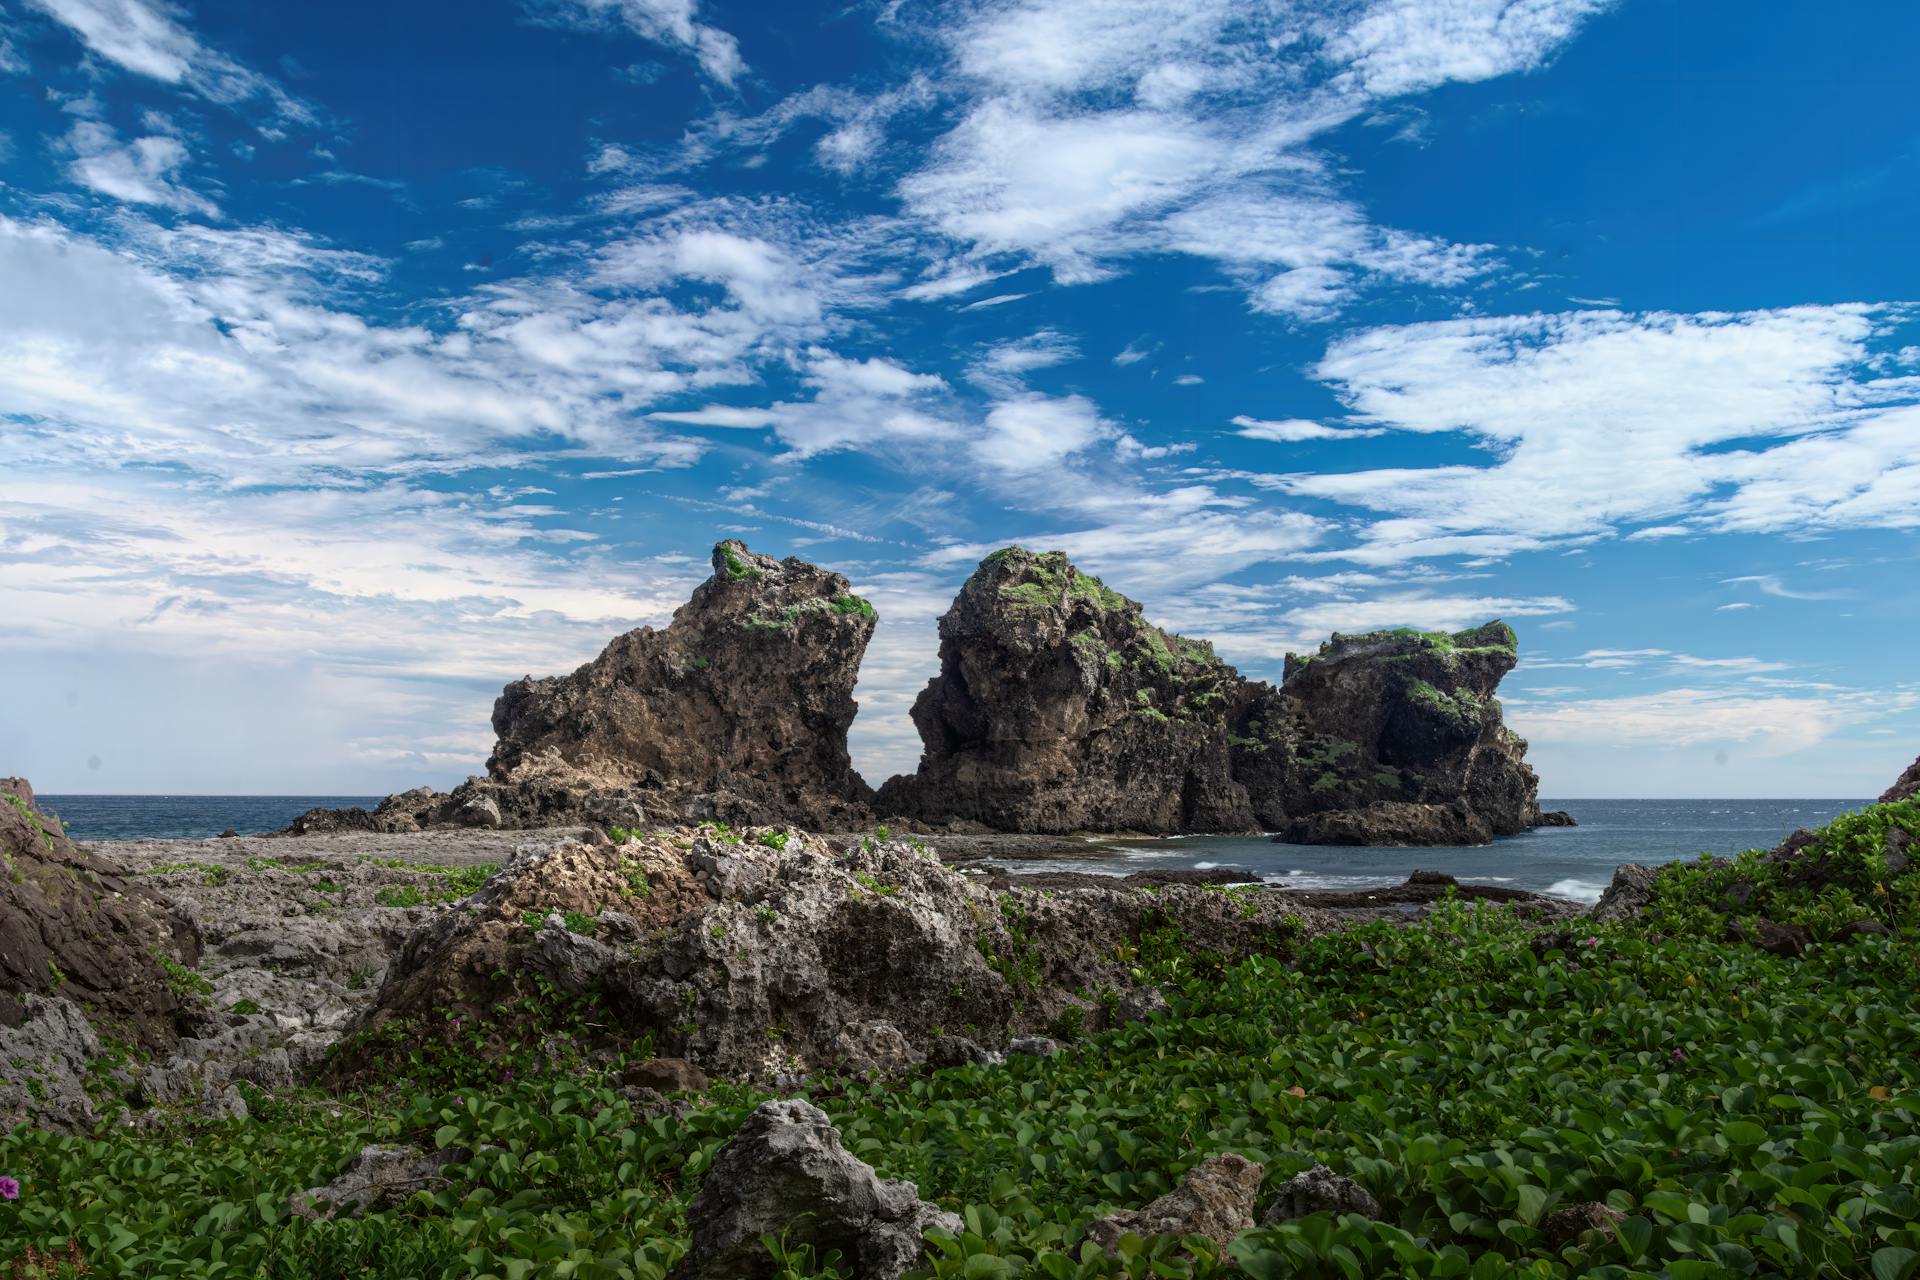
(91, 818)
(1572, 862)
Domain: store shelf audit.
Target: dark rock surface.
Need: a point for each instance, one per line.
(1391, 737)
(1320, 1190)
(1058, 708)
(785, 1174)
(379, 1176)
(76, 926)
(1564, 1226)
(1215, 1199)
(1906, 786)
(736, 711)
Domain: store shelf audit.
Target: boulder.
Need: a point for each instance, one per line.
(1391, 822)
(43, 1066)
(1629, 893)
(786, 1174)
(1556, 818)
(1215, 1199)
(77, 926)
(1564, 1226)
(379, 1176)
(666, 1075)
(1320, 1190)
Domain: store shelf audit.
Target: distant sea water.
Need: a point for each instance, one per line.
(1573, 862)
(184, 817)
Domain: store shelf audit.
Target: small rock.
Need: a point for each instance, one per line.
(1775, 939)
(479, 811)
(666, 1075)
(1740, 893)
(1629, 893)
(1898, 842)
(1035, 1047)
(1140, 1005)
(1431, 877)
(957, 1051)
(229, 834)
(1320, 1190)
(785, 1174)
(1859, 929)
(1215, 1199)
(379, 1175)
(1568, 1225)
(1556, 818)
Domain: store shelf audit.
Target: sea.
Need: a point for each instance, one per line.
(1571, 862)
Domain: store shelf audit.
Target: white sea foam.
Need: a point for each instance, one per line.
(1578, 890)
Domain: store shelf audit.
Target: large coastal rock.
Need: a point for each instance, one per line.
(75, 926)
(737, 711)
(1391, 737)
(1905, 786)
(1058, 707)
(767, 955)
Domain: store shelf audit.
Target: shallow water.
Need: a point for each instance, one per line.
(1571, 862)
(184, 817)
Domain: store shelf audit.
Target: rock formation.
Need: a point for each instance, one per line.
(738, 711)
(766, 955)
(786, 1175)
(1215, 1199)
(1058, 707)
(1392, 737)
(1906, 785)
(76, 927)
(1319, 1190)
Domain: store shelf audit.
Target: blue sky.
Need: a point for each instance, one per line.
(356, 359)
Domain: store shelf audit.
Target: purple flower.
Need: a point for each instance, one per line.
(459, 1102)
(9, 1189)
(1679, 1056)
(507, 1074)
(1589, 942)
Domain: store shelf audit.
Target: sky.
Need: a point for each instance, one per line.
(356, 359)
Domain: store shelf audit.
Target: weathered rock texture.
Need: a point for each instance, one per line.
(1908, 784)
(1319, 1190)
(765, 963)
(738, 710)
(1215, 1199)
(76, 926)
(785, 1175)
(1058, 707)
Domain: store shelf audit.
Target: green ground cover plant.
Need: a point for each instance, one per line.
(1749, 1114)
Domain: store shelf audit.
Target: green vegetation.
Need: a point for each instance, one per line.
(182, 981)
(212, 876)
(737, 569)
(854, 604)
(774, 839)
(457, 882)
(1749, 1115)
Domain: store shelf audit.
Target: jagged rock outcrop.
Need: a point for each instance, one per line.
(738, 711)
(1908, 784)
(786, 1175)
(1319, 1190)
(1058, 707)
(76, 926)
(767, 955)
(1391, 737)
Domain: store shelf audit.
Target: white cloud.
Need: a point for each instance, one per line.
(669, 22)
(145, 39)
(1770, 724)
(1031, 432)
(1400, 46)
(144, 171)
(1297, 430)
(1599, 419)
